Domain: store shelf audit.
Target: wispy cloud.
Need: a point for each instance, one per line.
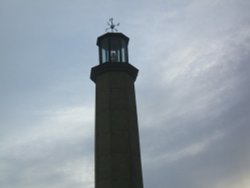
(59, 148)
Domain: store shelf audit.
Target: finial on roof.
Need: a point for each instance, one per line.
(112, 26)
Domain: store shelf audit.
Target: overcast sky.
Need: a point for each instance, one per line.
(193, 90)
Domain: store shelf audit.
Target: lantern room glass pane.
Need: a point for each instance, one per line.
(104, 51)
(104, 56)
(115, 50)
(124, 52)
(123, 55)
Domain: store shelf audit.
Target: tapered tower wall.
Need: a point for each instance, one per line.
(117, 148)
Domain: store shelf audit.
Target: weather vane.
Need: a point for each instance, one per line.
(112, 26)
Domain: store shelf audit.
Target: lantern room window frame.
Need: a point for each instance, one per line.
(113, 48)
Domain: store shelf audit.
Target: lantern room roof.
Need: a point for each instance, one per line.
(111, 35)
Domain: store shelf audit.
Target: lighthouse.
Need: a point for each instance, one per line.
(117, 146)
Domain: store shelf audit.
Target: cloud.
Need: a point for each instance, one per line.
(192, 91)
(54, 153)
(198, 103)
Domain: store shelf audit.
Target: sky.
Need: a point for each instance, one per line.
(192, 90)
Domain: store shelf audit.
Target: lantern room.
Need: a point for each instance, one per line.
(113, 48)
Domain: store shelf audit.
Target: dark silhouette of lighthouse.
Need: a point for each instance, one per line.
(117, 148)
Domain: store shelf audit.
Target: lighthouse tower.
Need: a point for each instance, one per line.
(117, 148)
